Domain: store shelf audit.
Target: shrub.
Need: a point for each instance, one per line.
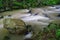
(30, 3)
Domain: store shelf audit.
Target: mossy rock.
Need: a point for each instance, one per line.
(14, 25)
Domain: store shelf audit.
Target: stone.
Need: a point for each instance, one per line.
(1, 17)
(16, 26)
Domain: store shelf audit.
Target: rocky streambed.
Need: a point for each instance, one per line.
(38, 18)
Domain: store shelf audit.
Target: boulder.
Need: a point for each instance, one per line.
(16, 26)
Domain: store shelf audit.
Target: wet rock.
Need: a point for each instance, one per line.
(1, 17)
(9, 15)
(59, 15)
(28, 36)
(29, 11)
(57, 7)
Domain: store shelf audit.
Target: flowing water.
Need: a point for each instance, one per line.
(13, 13)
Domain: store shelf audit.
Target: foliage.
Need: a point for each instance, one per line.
(28, 3)
(49, 2)
(58, 33)
(51, 32)
(1, 5)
